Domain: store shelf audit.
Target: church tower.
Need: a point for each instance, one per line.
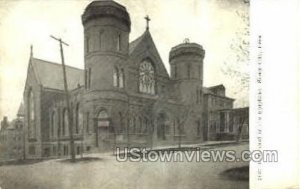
(186, 61)
(106, 41)
(106, 50)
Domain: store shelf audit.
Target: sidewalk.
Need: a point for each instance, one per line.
(202, 144)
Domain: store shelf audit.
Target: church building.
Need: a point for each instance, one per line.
(124, 96)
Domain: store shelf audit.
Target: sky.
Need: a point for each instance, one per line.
(211, 23)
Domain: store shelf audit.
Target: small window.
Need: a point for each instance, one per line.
(121, 78)
(119, 43)
(175, 71)
(116, 77)
(88, 122)
(78, 150)
(31, 150)
(188, 71)
(65, 122)
(87, 42)
(198, 127)
(100, 40)
(90, 78)
(88, 148)
(197, 96)
(86, 78)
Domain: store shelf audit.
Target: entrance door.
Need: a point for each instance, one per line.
(161, 126)
(103, 131)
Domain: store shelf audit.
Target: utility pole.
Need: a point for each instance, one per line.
(72, 146)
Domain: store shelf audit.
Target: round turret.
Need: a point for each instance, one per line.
(186, 61)
(187, 49)
(106, 8)
(106, 43)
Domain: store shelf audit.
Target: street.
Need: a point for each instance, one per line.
(106, 172)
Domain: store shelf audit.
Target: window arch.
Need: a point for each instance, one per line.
(78, 117)
(189, 71)
(121, 78)
(103, 114)
(146, 78)
(140, 128)
(65, 124)
(31, 115)
(103, 119)
(145, 127)
(116, 77)
(121, 128)
(53, 123)
(119, 42)
(87, 42)
(101, 40)
(88, 122)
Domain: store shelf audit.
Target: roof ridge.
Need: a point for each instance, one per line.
(133, 44)
(57, 64)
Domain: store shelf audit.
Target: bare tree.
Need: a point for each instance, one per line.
(236, 65)
(240, 128)
(187, 111)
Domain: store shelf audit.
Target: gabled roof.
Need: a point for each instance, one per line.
(134, 43)
(50, 75)
(146, 44)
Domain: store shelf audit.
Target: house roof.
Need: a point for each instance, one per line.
(217, 86)
(50, 75)
(208, 91)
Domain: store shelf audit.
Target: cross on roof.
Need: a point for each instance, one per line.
(31, 51)
(147, 18)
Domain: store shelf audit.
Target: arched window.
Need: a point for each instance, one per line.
(31, 115)
(53, 123)
(198, 127)
(103, 119)
(140, 125)
(119, 42)
(121, 122)
(145, 127)
(88, 122)
(116, 77)
(121, 78)
(103, 114)
(87, 43)
(100, 40)
(78, 117)
(133, 125)
(188, 71)
(146, 78)
(65, 124)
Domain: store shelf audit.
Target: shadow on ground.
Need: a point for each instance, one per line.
(238, 173)
(82, 160)
(21, 162)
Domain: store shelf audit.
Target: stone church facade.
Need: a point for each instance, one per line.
(123, 96)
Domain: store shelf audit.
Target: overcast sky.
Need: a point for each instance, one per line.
(211, 23)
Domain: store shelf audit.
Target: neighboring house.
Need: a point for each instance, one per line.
(123, 96)
(12, 137)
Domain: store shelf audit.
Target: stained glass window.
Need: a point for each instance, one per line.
(146, 78)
